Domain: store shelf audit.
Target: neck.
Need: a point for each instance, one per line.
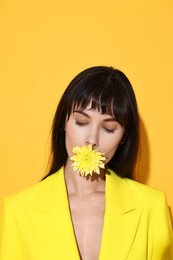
(81, 185)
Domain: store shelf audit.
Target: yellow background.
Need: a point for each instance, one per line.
(44, 44)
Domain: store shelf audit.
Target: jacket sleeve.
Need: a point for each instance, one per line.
(10, 246)
(163, 235)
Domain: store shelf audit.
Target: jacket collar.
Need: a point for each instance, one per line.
(54, 219)
(122, 216)
(120, 221)
(118, 193)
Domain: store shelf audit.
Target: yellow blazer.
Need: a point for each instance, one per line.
(36, 223)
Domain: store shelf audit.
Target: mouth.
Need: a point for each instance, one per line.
(87, 160)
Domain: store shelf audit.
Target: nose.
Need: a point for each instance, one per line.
(92, 139)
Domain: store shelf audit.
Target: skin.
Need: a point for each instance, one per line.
(87, 194)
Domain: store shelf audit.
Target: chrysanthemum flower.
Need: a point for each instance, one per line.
(86, 160)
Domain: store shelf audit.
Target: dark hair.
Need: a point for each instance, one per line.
(110, 91)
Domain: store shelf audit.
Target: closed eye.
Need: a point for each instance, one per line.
(80, 123)
(109, 130)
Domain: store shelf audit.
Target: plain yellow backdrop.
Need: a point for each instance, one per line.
(44, 44)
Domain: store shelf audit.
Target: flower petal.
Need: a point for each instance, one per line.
(86, 160)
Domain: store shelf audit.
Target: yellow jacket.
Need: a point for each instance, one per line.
(36, 223)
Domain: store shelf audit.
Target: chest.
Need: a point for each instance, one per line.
(87, 213)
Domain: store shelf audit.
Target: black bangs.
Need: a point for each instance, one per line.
(106, 99)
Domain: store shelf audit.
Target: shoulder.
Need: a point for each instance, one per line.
(142, 194)
(28, 196)
(145, 194)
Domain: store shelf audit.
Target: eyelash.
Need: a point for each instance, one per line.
(106, 129)
(109, 131)
(79, 123)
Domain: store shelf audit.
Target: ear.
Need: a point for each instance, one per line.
(123, 140)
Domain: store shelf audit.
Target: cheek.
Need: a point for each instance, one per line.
(111, 148)
(110, 153)
(72, 138)
(69, 140)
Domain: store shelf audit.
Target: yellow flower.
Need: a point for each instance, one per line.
(86, 160)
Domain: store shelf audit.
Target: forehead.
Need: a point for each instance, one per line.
(93, 114)
(95, 105)
(90, 107)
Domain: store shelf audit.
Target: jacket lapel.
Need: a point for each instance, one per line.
(121, 219)
(53, 220)
(54, 225)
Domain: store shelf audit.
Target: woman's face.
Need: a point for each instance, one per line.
(89, 126)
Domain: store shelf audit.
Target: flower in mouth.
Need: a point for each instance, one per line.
(86, 160)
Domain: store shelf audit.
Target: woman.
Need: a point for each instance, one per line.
(100, 213)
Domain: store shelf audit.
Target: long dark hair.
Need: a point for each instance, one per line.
(110, 91)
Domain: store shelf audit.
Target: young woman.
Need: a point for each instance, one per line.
(100, 214)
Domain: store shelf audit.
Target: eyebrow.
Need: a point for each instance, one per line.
(81, 112)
